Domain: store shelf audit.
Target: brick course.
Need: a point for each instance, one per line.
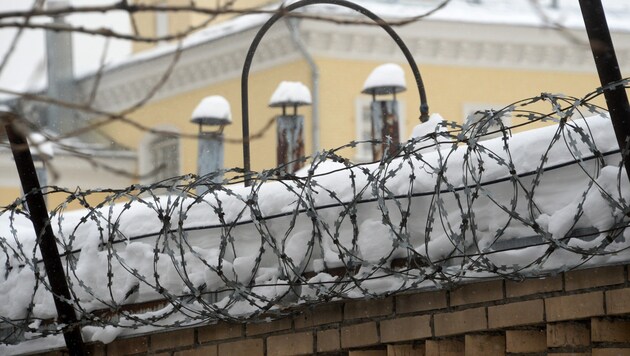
(477, 293)
(618, 301)
(460, 322)
(595, 277)
(290, 344)
(484, 345)
(404, 329)
(320, 315)
(368, 308)
(208, 350)
(129, 346)
(242, 347)
(219, 331)
(603, 330)
(267, 327)
(568, 334)
(359, 335)
(520, 313)
(446, 347)
(576, 306)
(96, 349)
(405, 350)
(177, 338)
(525, 341)
(409, 303)
(328, 340)
(533, 286)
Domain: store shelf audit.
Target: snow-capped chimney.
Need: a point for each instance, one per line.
(290, 127)
(212, 112)
(385, 79)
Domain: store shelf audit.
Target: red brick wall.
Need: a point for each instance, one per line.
(583, 312)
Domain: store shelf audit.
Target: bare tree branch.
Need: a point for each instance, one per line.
(105, 32)
(561, 29)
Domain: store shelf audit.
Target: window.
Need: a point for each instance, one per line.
(159, 157)
(165, 156)
(474, 113)
(364, 127)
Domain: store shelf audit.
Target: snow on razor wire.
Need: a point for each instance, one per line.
(455, 203)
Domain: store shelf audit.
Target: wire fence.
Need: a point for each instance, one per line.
(530, 190)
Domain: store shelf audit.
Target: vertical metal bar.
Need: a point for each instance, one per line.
(46, 241)
(608, 70)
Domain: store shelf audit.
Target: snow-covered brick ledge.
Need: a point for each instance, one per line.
(529, 204)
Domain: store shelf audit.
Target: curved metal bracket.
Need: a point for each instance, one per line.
(424, 107)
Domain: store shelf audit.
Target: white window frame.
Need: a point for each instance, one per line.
(146, 155)
(363, 152)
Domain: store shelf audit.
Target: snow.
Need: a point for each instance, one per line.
(221, 243)
(290, 94)
(40, 146)
(105, 334)
(213, 109)
(385, 79)
(515, 12)
(434, 126)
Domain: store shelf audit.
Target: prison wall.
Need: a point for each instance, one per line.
(582, 312)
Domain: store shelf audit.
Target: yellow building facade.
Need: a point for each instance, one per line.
(466, 65)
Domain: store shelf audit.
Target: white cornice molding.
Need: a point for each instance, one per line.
(464, 44)
(431, 42)
(200, 66)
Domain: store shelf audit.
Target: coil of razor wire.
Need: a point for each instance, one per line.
(464, 202)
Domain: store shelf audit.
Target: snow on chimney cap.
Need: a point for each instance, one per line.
(385, 79)
(290, 94)
(212, 110)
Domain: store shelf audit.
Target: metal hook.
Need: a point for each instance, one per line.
(424, 107)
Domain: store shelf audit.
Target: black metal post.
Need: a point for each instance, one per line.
(424, 106)
(608, 70)
(46, 241)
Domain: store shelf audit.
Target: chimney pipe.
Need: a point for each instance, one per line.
(60, 72)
